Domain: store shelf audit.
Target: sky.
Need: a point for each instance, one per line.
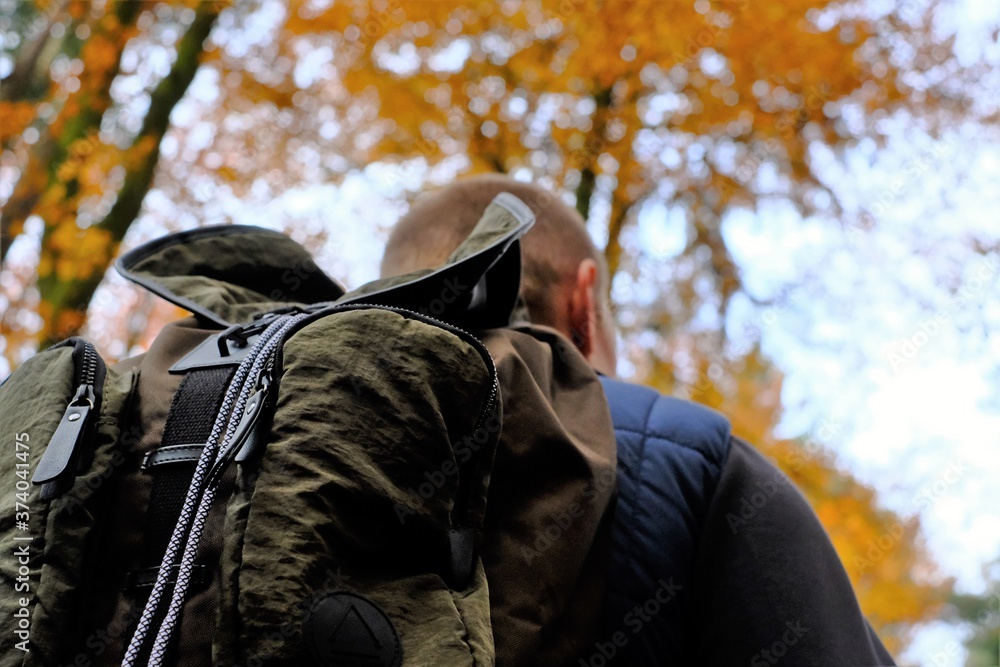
(905, 362)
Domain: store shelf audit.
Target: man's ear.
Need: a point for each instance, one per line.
(583, 308)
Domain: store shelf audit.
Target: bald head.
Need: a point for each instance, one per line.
(552, 250)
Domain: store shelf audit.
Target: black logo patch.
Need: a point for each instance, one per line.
(348, 630)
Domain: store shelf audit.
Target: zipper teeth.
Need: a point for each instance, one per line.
(89, 375)
(447, 326)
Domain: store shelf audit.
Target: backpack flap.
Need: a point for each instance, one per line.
(226, 274)
(478, 285)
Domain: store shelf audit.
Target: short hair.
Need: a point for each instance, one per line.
(439, 221)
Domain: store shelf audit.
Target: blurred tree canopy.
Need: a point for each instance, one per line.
(685, 110)
(54, 116)
(982, 614)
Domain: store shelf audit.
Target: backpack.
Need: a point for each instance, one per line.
(299, 475)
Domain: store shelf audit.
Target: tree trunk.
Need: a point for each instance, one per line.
(64, 302)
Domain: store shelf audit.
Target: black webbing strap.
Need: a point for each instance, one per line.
(192, 414)
(193, 411)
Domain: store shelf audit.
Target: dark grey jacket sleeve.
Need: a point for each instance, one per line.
(769, 587)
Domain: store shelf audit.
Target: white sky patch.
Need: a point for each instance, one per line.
(662, 230)
(311, 65)
(922, 427)
(776, 243)
(403, 61)
(972, 22)
(452, 57)
(937, 645)
(351, 218)
(928, 433)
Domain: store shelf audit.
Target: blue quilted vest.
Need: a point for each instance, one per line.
(670, 458)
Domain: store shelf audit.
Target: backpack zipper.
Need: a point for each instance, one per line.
(55, 470)
(461, 537)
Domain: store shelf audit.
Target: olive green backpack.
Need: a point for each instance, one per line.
(302, 476)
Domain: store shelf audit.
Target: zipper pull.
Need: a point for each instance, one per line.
(252, 438)
(61, 448)
(244, 434)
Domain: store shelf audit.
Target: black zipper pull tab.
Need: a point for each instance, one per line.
(62, 448)
(252, 438)
(244, 430)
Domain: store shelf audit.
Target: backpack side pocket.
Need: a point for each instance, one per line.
(60, 412)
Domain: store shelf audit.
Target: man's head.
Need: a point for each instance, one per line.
(564, 278)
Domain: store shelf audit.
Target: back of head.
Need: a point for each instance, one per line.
(552, 250)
